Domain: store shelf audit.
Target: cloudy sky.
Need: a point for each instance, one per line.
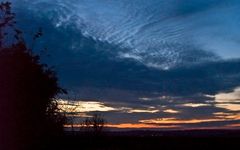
(167, 64)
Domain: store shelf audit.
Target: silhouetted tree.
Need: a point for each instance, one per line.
(69, 108)
(94, 125)
(28, 110)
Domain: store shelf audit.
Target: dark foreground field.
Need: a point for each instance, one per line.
(141, 140)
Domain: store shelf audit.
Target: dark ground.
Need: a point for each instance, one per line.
(147, 140)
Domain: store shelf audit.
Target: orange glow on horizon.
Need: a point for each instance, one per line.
(140, 126)
(131, 126)
(83, 109)
(234, 125)
(190, 121)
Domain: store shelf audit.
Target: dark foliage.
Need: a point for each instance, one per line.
(94, 125)
(28, 110)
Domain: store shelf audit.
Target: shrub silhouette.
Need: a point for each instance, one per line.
(28, 111)
(94, 125)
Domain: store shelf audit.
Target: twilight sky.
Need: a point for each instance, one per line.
(143, 63)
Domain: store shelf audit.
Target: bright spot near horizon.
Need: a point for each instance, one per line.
(83, 106)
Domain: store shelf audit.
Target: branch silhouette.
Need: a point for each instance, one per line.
(29, 112)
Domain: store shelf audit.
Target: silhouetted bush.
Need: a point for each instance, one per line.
(94, 125)
(28, 110)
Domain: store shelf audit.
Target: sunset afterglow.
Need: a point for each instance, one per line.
(142, 62)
